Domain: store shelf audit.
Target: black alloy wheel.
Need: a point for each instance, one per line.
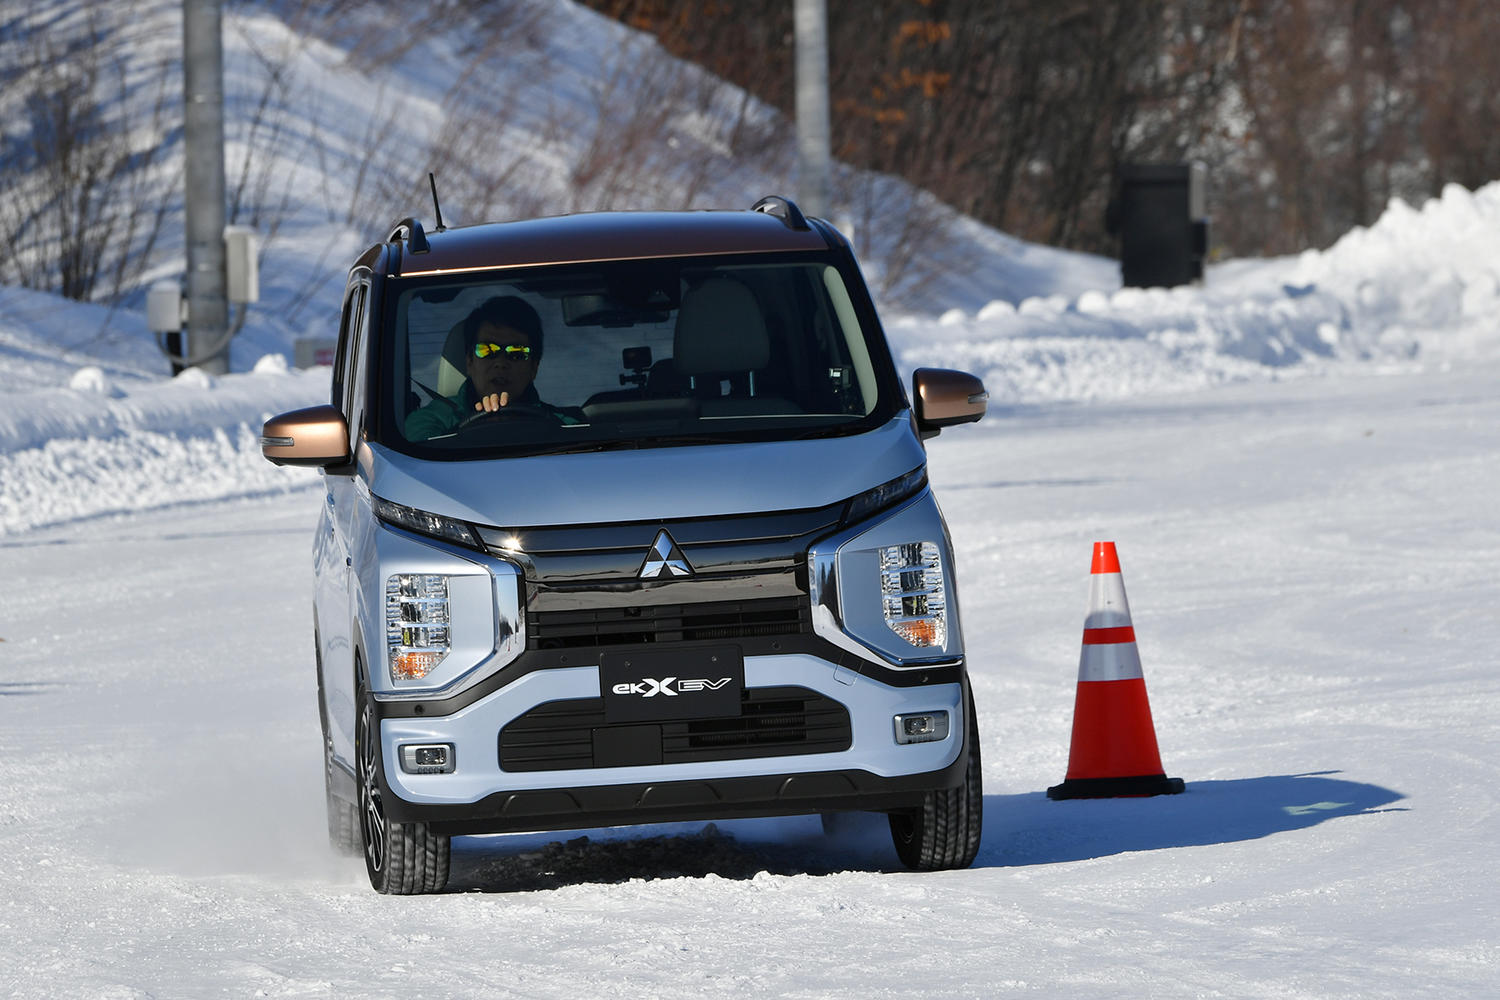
(403, 859)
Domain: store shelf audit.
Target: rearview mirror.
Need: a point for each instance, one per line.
(943, 398)
(318, 435)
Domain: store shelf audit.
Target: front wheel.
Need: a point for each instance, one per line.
(944, 832)
(403, 859)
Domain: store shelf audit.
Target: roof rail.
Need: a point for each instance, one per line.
(784, 209)
(410, 230)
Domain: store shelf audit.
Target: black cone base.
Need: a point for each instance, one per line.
(1116, 788)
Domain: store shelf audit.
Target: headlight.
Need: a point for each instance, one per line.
(416, 624)
(912, 595)
(885, 495)
(424, 523)
(883, 589)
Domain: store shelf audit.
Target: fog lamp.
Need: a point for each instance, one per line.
(427, 758)
(923, 727)
(912, 593)
(416, 624)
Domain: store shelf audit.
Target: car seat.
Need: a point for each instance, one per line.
(721, 336)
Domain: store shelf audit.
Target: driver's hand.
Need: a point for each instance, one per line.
(493, 402)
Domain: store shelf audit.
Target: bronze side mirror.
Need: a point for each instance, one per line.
(943, 398)
(318, 435)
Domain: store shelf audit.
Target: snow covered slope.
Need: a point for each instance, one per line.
(523, 108)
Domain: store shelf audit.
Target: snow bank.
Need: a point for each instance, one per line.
(92, 448)
(1420, 281)
(1420, 285)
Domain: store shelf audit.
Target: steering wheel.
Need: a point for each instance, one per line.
(515, 411)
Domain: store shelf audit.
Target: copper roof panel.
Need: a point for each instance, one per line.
(607, 236)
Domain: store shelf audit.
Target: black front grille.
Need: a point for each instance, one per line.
(720, 620)
(773, 722)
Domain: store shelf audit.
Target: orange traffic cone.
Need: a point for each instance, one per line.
(1114, 750)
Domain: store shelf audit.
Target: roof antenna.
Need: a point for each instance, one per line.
(436, 210)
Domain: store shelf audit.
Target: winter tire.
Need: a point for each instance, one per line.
(403, 859)
(944, 832)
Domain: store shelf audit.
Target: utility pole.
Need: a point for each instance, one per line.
(207, 342)
(815, 173)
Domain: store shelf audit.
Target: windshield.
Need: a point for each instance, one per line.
(627, 354)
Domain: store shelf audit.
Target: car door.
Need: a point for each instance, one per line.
(331, 555)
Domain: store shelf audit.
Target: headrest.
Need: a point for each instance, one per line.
(720, 329)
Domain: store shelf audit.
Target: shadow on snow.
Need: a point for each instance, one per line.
(1020, 830)
(1030, 829)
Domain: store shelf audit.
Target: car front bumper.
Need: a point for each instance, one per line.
(873, 773)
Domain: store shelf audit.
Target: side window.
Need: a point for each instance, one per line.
(355, 367)
(341, 355)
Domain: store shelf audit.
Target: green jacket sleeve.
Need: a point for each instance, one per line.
(439, 416)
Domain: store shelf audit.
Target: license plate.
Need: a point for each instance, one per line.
(701, 682)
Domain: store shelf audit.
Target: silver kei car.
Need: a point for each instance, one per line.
(627, 521)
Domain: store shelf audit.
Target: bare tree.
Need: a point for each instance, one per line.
(1457, 85)
(82, 191)
(1311, 114)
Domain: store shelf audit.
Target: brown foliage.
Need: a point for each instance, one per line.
(1310, 114)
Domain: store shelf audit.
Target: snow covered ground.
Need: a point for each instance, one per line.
(1310, 564)
(1298, 461)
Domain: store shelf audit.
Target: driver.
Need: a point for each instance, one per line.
(502, 350)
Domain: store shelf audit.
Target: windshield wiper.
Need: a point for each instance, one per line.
(636, 444)
(673, 440)
(574, 448)
(613, 444)
(837, 429)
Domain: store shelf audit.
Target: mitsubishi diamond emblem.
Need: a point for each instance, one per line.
(664, 558)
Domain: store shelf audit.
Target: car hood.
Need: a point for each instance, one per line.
(647, 484)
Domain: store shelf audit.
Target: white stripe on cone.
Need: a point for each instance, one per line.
(1108, 608)
(1113, 661)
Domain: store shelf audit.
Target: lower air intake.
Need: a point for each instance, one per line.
(773, 722)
